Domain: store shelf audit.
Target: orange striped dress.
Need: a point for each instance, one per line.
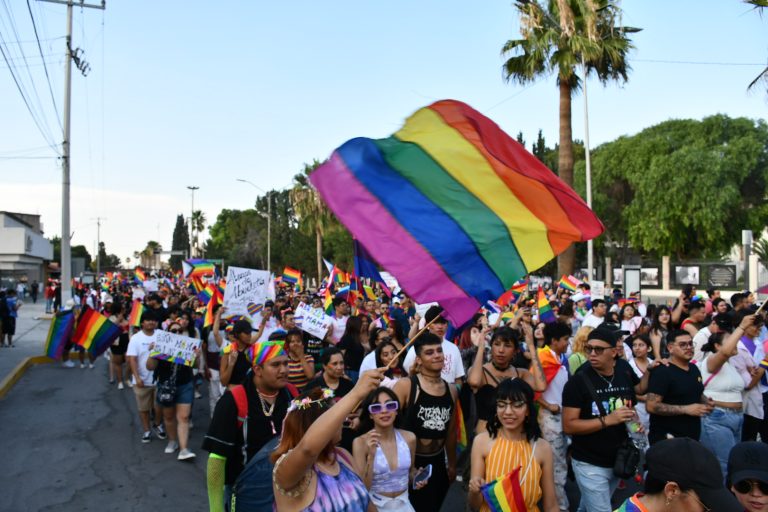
(506, 456)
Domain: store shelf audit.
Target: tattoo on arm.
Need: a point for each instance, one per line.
(656, 406)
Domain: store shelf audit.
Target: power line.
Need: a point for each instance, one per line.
(47, 77)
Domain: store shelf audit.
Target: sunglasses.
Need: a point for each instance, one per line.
(746, 486)
(378, 408)
(597, 350)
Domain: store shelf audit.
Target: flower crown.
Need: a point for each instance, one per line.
(306, 402)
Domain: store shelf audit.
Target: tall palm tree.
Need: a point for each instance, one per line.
(558, 37)
(312, 213)
(198, 225)
(760, 6)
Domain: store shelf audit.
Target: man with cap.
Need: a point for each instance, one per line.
(682, 476)
(234, 361)
(675, 398)
(748, 475)
(453, 369)
(267, 396)
(597, 401)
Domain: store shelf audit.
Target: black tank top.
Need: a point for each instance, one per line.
(485, 396)
(428, 416)
(240, 369)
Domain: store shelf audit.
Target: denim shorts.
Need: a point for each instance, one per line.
(185, 393)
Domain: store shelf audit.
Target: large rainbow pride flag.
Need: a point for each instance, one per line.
(452, 206)
(59, 333)
(94, 332)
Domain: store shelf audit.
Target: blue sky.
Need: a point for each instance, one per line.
(201, 93)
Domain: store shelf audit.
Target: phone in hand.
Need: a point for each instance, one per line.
(422, 475)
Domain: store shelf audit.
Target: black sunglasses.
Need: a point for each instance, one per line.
(746, 486)
(588, 349)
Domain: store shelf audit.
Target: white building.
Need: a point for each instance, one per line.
(23, 248)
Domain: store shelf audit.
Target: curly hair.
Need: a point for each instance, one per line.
(582, 335)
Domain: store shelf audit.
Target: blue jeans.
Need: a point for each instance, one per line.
(721, 431)
(596, 485)
(353, 375)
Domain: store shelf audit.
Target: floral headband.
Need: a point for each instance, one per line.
(306, 402)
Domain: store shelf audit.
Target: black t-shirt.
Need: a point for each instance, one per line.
(225, 438)
(313, 346)
(599, 448)
(239, 369)
(353, 353)
(345, 386)
(164, 371)
(675, 386)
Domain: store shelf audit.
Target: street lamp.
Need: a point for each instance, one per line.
(191, 222)
(269, 221)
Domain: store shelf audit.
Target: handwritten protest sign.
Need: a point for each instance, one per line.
(174, 348)
(597, 289)
(311, 320)
(245, 286)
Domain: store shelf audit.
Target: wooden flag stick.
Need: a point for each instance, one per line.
(410, 342)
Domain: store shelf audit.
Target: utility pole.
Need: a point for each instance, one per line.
(590, 243)
(192, 223)
(66, 249)
(98, 245)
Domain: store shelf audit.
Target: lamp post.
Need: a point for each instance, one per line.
(590, 243)
(269, 221)
(191, 222)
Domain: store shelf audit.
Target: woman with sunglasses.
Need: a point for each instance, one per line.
(748, 475)
(512, 441)
(386, 454)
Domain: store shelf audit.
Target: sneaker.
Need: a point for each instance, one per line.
(90, 365)
(185, 454)
(147, 437)
(160, 431)
(68, 364)
(171, 447)
(198, 395)
(120, 385)
(129, 383)
(82, 365)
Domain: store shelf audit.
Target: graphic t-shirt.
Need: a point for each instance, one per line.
(599, 448)
(676, 387)
(138, 346)
(632, 505)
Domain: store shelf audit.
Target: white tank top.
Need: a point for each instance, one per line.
(726, 385)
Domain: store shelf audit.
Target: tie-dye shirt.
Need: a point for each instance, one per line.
(632, 505)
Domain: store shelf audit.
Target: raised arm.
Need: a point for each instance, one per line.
(475, 375)
(716, 360)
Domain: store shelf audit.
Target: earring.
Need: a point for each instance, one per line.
(667, 502)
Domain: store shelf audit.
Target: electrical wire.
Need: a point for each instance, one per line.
(47, 77)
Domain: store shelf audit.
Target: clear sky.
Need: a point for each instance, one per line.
(201, 93)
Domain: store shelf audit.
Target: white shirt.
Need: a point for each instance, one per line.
(138, 346)
(452, 367)
(701, 339)
(593, 321)
(369, 362)
(269, 327)
(339, 325)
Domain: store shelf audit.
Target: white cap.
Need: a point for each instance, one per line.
(576, 297)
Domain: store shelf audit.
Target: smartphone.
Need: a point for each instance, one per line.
(423, 475)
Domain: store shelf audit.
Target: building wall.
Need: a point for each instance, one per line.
(23, 248)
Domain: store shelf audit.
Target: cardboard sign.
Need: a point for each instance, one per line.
(245, 286)
(174, 348)
(597, 289)
(311, 320)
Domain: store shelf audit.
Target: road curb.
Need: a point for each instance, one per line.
(8, 382)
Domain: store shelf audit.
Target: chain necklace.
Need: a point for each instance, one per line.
(268, 413)
(609, 382)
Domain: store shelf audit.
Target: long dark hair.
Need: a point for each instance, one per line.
(516, 390)
(366, 422)
(354, 323)
(656, 326)
(398, 365)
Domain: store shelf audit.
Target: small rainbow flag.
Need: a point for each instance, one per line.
(628, 300)
(208, 319)
(222, 286)
(139, 274)
(384, 321)
(546, 314)
(209, 291)
(291, 275)
(198, 267)
(504, 494)
(368, 292)
(197, 283)
(328, 302)
(462, 440)
(59, 333)
(569, 283)
(513, 293)
(137, 309)
(94, 332)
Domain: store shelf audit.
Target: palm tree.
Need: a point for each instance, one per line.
(150, 256)
(313, 215)
(759, 5)
(558, 38)
(198, 225)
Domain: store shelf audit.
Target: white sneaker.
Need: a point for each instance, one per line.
(171, 447)
(82, 365)
(185, 454)
(90, 365)
(129, 383)
(68, 364)
(119, 385)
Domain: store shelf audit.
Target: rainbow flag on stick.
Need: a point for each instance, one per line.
(504, 494)
(137, 309)
(139, 274)
(473, 211)
(59, 333)
(94, 332)
(546, 314)
(197, 267)
(569, 283)
(511, 295)
(291, 275)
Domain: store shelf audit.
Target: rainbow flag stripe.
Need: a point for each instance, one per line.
(140, 275)
(59, 333)
(504, 494)
(452, 206)
(546, 314)
(328, 302)
(137, 309)
(94, 332)
(569, 283)
(291, 275)
(511, 295)
(462, 439)
(197, 268)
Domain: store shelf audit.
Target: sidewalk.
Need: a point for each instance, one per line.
(31, 332)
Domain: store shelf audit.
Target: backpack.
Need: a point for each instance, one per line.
(252, 490)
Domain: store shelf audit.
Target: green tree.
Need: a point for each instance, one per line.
(239, 237)
(180, 241)
(198, 225)
(760, 6)
(558, 37)
(106, 261)
(683, 188)
(76, 251)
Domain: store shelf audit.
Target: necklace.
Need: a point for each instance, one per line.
(266, 395)
(498, 368)
(609, 382)
(268, 413)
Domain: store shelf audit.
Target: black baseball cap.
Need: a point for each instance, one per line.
(748, 461)
(242, 326)
(603, 334)
(433, 312)
(692, 466)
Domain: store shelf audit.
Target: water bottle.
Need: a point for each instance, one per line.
(639, 439)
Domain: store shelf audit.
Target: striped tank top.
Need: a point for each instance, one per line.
(296, 375)
(506, 456)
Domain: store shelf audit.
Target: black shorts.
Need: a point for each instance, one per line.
(121, 347)
(9, 325)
